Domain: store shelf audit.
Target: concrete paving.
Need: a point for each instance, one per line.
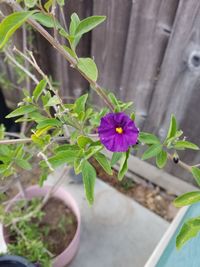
(116, 231)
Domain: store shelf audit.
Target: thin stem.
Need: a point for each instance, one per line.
(63, 18)
(28, 84)
(197, 165)
(55, 186)
(64, 53)
(28, 216)
(44, 157)
(15, 141)
(180, 163)
(12, 59)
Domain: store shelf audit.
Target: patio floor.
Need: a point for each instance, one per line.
(116, 231)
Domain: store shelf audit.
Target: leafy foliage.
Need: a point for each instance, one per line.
(10, 24)
(27, 234)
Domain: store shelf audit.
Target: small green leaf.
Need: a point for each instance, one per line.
(54, 100)
(70, 51)
(89, 177)
(43, 178)
(123, 165)
(185, 144)
(67, 147)
(48, 5)
(187, 199)
(88, 24)
(196, 174)
(172, 128)
(92, 150)
(10, 24)
(2, 131)
(190, 229)
(103, 161)
(21, 111)
(161, 159)
(49, 122)
(46, 20)
(74, 23)
(39, 89)
(88, 67)
(24, 164)
(82, 141)
(148, 138)
(116, 157)
(79, 105)
(62, 157)
(152, 151)
(30, 3)
(61, 2)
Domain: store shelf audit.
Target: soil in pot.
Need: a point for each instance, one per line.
(57, 227)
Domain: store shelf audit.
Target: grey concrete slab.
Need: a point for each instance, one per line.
(116, 231)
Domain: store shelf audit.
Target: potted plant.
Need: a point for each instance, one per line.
(70, 134)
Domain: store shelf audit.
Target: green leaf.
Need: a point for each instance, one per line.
(2, 131)
(152, 151)
(62, 157)
(61, 2)
(46, 20)
(43, 178)
(172, 128)
(123, 165)
(89, 177)
(88, 67)
(116, 157)
(63, 33)
(54, 100)
(103, 161)
(187, 199)
(10, 24)
(49, 122)
(70, 51)
(21, 111)
(30, 3)
(148, 138)
(190, 229)
(88, 24)
(80, 103)
(24, 164)
(82, 141)
(67, 147)
(196, 174)
(185, 144)
(92, 150)
(48, 5)
(161, 159)
(74, 23)
(39, 89)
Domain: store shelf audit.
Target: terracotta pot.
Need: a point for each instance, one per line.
(68, 254)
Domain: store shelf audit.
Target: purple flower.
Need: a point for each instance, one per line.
(117, 132)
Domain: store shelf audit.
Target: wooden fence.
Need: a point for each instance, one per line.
(147, 51)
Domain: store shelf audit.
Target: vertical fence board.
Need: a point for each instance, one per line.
(71, 82)
(109, 41)
(149, 30)
(178, 85)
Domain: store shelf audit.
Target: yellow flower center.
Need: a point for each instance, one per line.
(119, 130)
